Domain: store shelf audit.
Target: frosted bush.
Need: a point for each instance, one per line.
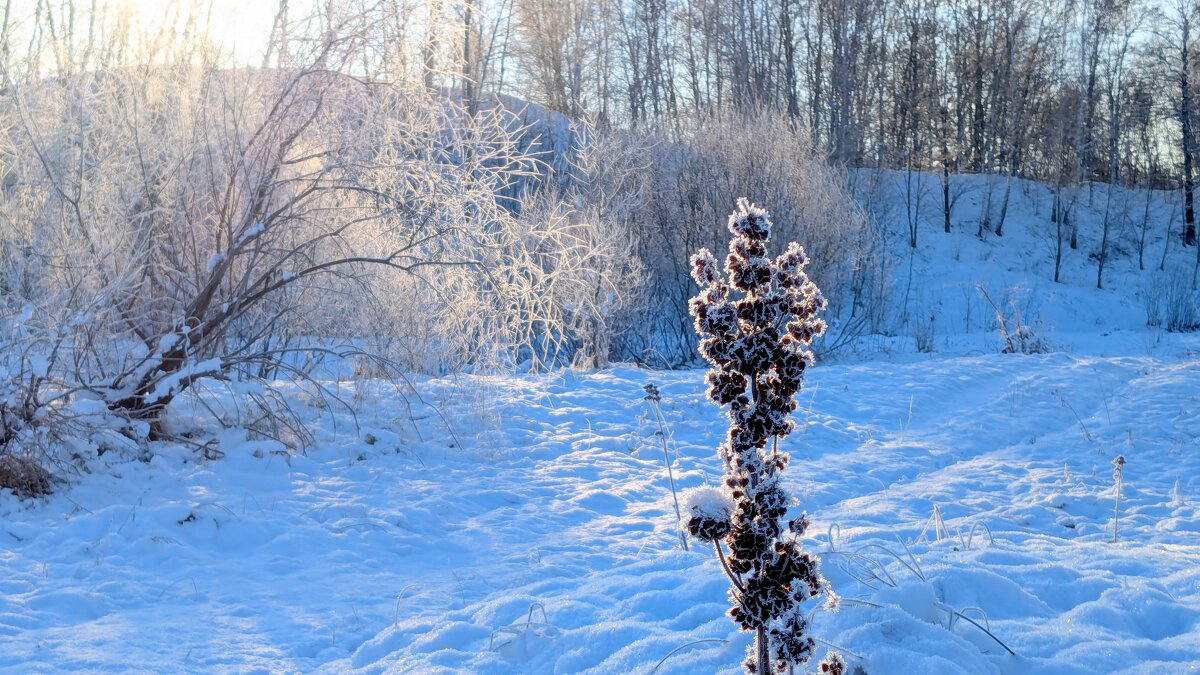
(672, 194)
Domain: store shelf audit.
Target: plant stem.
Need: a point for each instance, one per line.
(763, 651)
(1117, 509)
(662, 432)
(735, 579)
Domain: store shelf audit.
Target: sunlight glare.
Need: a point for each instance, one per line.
(242, 27)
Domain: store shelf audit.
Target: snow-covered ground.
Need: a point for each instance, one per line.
(962, 501)
(539, 537)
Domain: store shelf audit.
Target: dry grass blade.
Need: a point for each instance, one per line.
(539, 629)
(653, 397)
(682, 647)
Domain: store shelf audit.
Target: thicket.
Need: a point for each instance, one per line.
(669, 197)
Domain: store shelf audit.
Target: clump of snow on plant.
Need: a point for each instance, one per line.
(708, 502)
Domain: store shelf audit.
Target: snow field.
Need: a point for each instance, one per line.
(539, 537)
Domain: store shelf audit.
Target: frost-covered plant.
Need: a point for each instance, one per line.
(654, 397)
(1171, 302)
(23, 475)
(1118, 471)
(1018, 335)
(756, 319)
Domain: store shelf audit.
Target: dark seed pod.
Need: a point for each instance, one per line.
(708, 529)
(833, 664)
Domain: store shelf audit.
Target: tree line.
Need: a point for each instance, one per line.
(1063, 91)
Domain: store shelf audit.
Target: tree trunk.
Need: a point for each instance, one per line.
(1185, 122)
(1004, 206)
(1102, 256)
(946, 196)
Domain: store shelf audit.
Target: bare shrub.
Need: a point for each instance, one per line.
(925, 332)
(1016, 328)
(675, 200)
(588, 274)
(1171, 302)
(196, 222)
(24, 476)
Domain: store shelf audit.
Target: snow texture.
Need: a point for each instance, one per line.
(409, 554)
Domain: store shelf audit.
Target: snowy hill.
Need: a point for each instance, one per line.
(937, 293)
(963, 500)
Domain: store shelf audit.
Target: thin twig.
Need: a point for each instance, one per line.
(986, 631)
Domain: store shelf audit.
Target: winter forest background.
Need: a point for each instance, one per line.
(360, 297)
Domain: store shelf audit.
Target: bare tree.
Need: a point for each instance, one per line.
(1175, 35)
(1115, 48)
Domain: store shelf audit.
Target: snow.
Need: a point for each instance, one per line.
(962, 504)
(424, 551)
(39, 365)
(936, 287)
(167, 342)
(250, 233)
(169, 384)
(708, 501)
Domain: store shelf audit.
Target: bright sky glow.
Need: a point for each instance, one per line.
(240, 26)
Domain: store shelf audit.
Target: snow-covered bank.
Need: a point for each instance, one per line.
(940, 289)
(539, 537)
